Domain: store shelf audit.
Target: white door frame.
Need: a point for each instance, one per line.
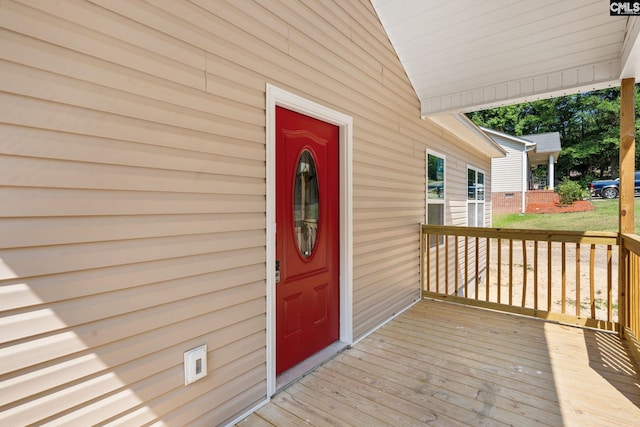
(282, 98)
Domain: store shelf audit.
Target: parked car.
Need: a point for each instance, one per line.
(610, 188)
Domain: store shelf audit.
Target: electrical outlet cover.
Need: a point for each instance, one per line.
(195, 364)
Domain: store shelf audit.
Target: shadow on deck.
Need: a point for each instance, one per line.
(445, 364)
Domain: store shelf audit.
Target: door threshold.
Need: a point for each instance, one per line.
(305, 367)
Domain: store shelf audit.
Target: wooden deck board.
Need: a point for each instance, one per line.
(445, 364)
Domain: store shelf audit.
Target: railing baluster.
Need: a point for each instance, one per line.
(466, 266)
(428, 273)
(564, 277)
(549, 276)
(524, 272)
(510, 271)
(457, 272)
(446, 264)
(477, 278)
(535, 274)
(577, 279)
(499, 269)
(487, 270)
(610, 282)
(438, 263)
(592, 273)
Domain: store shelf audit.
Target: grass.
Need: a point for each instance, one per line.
(603, 218)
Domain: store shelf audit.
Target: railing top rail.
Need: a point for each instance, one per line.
(631, 242)
(587, 237)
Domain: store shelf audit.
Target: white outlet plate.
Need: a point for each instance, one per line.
(195, 364)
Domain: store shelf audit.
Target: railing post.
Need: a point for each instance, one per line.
(627, 172)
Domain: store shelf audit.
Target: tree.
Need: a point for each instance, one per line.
(588, 123)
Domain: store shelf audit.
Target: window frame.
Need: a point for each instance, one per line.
(479, 204)
(441, 202)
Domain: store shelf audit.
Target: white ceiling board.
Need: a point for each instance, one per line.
(465, 55)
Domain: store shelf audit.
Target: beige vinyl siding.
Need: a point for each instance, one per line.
(132, 188)
(508, 170)
(458, 158)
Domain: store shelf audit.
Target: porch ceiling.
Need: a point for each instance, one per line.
(464, 55)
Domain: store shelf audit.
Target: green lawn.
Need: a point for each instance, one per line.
(603, 218)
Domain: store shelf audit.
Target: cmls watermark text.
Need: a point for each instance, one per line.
(624, 8)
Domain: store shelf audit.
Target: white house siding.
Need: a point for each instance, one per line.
(508, 169)
(132, 189)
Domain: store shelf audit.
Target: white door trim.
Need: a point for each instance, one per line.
(282, 98)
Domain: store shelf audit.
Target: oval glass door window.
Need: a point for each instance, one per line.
(305, 204)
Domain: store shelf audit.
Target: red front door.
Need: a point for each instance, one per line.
(307, 237)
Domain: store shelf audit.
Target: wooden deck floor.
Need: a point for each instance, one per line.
(444, 364)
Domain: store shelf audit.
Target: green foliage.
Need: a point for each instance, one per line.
(588, 123)
(570, 191)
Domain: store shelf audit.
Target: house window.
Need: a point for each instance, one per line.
(436, 192)
(475, 198)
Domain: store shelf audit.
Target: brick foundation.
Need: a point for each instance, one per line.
(511, 202)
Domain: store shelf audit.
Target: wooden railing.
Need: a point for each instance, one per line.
(570, 277)
(630, 295)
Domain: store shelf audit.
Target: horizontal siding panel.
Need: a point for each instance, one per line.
(226, 396)
(192, 405)
(31, 142)
(45, 289)
(364, 237)
(26, 232)
(388, 203)
(71, 313)
(126, 31)
(389, 184)
(213, 125)
(336, 17)
(46, 115)
(28, 21)
(123, 399)
(381, 244)
(375, 225)
(37, 54)
(231, 407)
(62, 202)
(406, 281)
(384, 171)
(381, 214)
(308, 25)
(253, 392)
(102, 332)
(386, 192)
(397, 297)
(42, 85)
(77, 366)
(390, 274)
(29, 172)
(371, 260)
(19, 262)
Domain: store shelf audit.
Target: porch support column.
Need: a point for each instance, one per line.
(627, 154)
(627, 171)
(551, 175)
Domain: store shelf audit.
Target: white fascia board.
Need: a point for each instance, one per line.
(630, 55)
(469, 133)
(522, 141)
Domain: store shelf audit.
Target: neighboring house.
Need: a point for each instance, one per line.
(170, 169)
(528, 165)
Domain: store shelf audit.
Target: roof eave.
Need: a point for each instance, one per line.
(469, 133)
